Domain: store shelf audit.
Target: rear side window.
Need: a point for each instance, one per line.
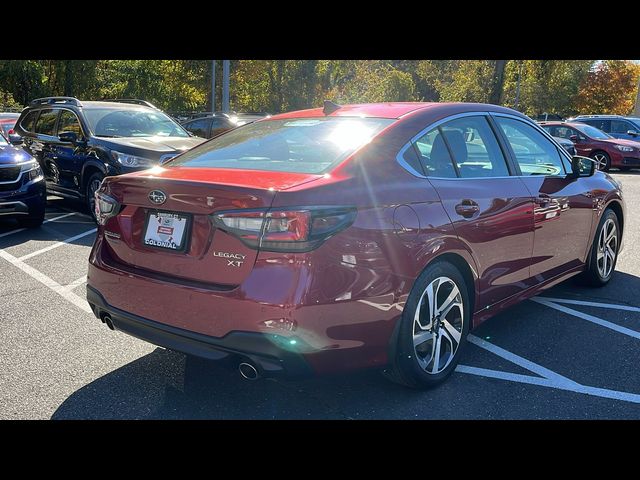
(46, 122)
(604, 125)
(304, 145)
(535, 153)
(68, 122)
(29, 120)
(465, 147)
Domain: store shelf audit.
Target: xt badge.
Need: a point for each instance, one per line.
(233, 259)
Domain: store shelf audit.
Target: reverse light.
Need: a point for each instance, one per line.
(285, 229)
(624, 148)
(105, 207)
(133, 161)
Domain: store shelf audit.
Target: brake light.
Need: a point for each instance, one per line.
(285, 230)
(105, 207)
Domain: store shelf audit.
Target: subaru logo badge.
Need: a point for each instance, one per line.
(157, 196)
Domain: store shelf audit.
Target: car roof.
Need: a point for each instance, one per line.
(114, 105)
(391, 109)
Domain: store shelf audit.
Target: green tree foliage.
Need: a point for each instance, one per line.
(564, 87)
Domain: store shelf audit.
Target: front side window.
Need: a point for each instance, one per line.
(113, 122)
(621, 126)
(304, 145)
(561, 131)
(46, 122)
(68, 122)
(198, 127)
(465, 147)
(534, 153)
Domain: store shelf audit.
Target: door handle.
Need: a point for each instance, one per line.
(467, 208)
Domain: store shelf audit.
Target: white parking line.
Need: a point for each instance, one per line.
(46, 221)
(544, 382)
(76, 283)
(49, 282)
(610, 306)
(518, 360)
(589, 318)
(58, 244)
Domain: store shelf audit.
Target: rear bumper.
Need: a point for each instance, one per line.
(266, 350)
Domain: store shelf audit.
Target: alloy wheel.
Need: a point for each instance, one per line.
(607, 248)
(438, 325)
(601, 161)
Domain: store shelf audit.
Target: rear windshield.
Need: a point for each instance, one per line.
(112, 122)
(301, 145)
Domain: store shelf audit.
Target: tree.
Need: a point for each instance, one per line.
(610, 88)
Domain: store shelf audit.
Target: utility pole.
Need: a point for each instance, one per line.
(225, 86)
(636, 111)
(213, 85)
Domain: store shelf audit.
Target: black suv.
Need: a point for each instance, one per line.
(79, 143)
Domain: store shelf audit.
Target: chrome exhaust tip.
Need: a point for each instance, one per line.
(106, 318)
(248, 371)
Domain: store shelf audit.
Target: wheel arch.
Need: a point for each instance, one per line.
(89, 169)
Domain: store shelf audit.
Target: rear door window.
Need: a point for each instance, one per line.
(46, 122)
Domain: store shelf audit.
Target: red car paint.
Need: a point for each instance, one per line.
(344, 298)
(588, 146)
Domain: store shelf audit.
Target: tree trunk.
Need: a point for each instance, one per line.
(68, 78)
(498, 82)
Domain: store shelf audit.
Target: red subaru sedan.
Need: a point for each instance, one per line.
(602, 147)
(348, 237)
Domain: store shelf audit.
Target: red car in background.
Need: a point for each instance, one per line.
(353, 236)
(603, 148)
(7, 122)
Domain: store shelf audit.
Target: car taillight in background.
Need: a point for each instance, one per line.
(295, 229)
(105, 207)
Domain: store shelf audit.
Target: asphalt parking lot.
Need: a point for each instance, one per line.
(569, 354)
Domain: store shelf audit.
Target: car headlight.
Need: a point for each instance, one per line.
(624, 148)
(32, 170)
(127, 160)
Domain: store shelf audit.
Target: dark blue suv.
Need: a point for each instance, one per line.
(22, 187)
(615, 125)
(79, 143)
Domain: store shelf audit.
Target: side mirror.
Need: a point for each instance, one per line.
(15, 139)
(574, 138)
(68, 137)
(582, 166)
(633, 133)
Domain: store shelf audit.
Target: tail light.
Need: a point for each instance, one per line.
(105, 207)
(285, 230)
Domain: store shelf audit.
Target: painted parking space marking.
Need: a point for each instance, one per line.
(544, 382)
(76, 283)
(518, 360)
(58, 244)
(17, 230)
(610, 306)
(47, 281)
(590, 318)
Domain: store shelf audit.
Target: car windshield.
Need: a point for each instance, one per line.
(593, 132)
(111, 122)
(304, 145)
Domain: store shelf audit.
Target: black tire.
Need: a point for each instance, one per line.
(603, 160)
(32, 221)
(595, 275)
(94, 181)
(408, 366)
